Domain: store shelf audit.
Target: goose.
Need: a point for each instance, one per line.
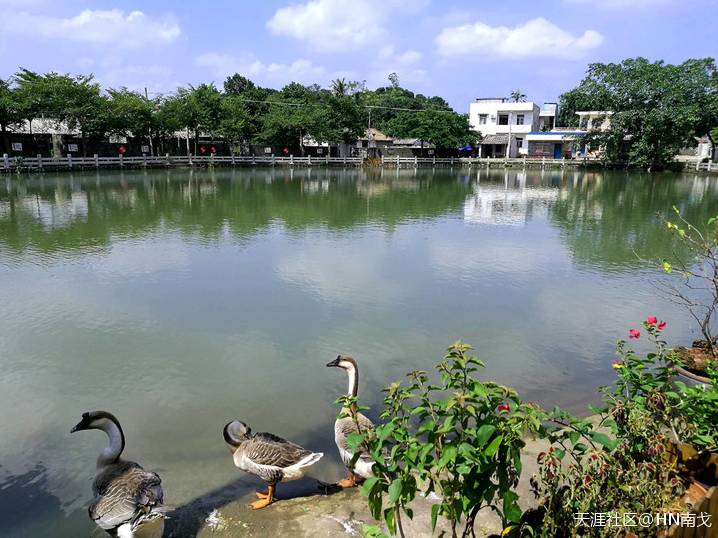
(268, 456)
(343, 427)
(128, 499)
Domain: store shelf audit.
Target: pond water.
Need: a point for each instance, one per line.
(182, 299)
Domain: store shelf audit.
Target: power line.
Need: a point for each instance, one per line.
(285, 103)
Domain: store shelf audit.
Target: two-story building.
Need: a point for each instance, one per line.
(503, 125)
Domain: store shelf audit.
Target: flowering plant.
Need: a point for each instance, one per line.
(461, 438)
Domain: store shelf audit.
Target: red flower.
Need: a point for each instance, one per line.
(503, 407)
(652, 320)
(634, 333)
(661, 325)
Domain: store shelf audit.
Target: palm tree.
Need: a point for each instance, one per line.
(340, 87)
(517, 96)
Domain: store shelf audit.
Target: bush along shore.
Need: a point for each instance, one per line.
(644, 464)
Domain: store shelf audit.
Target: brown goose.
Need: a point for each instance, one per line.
(128, 499)
(347, 425)
(267, 456)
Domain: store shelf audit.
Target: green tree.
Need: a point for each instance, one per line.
(237, 85)
(658, 108)
(9, 112)
(235, 123)
(442, 128)
(131, 114)
(517, 96)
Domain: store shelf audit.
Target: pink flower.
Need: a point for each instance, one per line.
(652, 320)
(503, 407)
(661, 325)
(634, 333)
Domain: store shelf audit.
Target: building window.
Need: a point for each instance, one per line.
(519, 141)
(483, 118)
(519, 119)
(503, 119)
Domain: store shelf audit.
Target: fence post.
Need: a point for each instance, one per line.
(167, 156)
(291, 160)
(39, 161)
(709, 165)
(698, 165)
(563, 162)
(309, 160)
(451, 161)
(433, 161)
(69, 160)
(327, 159)
(524, 161)
(416, 161)
(6, 161)
(272, 159)
(543, 162)
(121, 163)
(382, 159)
(97, 160)
(234, 162)
(144, 160)
(345, 160)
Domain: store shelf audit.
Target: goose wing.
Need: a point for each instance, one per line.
(343, 427)
(269, 449)
(124, 493)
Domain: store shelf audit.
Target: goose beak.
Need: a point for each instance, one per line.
(335, 362)
(82, 425)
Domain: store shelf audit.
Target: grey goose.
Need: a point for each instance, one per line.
(128, 500)
(352, 422)
(268, 456)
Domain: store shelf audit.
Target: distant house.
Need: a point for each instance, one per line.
(503, 125)
(547, 116)
(594, 120)
(554, 144)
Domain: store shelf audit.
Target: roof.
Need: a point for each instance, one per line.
(495, 139)
(412, 142)
(557, 132)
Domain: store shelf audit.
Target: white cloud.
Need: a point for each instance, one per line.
(300, 70)
(328, 24)
(537, 37)
(109, 27)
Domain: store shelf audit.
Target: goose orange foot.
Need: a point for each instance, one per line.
(262, 503)
(265, 499)
(349, 482)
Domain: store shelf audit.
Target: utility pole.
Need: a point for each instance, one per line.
(149, 128)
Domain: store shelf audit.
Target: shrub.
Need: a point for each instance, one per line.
(460, 438)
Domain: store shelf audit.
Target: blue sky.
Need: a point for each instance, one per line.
(460, 50)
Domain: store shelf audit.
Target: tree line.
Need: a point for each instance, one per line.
(656, 108)
(241, 112)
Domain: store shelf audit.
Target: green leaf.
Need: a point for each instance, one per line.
(512, 512)
(447, 455)
(434, 515)
(389, 519)
(395, 490)
(490, 450)
(604, 440)
(484, 433)
(368, 485)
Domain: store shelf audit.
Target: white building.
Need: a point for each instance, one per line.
(503, 125)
